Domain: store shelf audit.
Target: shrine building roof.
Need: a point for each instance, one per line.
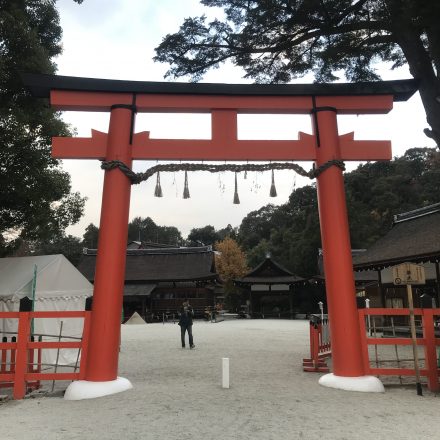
(414, 237)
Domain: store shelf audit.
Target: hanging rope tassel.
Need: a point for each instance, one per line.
(273, 190)
(185, 188)
(158, 189)
(236, 198)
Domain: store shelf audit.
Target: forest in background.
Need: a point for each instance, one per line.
(290, 232)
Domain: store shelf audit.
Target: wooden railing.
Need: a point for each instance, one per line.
(320, 346)
(21, 373)
(427, 339)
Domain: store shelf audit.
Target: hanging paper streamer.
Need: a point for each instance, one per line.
(158, 189)
(185, 188)
(273, 190)
(236, 198)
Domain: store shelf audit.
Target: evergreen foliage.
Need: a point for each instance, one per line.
(145, 229)
(36, 202)
(208, 235)
(278, 40)
(375, 192)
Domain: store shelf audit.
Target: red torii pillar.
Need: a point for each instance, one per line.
(223, 102)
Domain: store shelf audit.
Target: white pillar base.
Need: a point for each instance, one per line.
(85, 389)
(365, 384)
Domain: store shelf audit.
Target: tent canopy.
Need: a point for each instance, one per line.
(59, 287)
(56, 278)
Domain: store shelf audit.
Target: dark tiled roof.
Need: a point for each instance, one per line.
(159, 265)
(139, 289)
(360, 278)
(414, 237)
(269, 272)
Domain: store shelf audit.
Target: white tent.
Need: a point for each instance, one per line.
(59, 286)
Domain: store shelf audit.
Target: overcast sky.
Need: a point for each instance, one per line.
(116, 39)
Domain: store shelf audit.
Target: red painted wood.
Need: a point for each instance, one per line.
(22, 356)
(364, 345)
(357, 105)
(24, 371)
(102, 354)
(430, 350)
(54, 344)
(85, 346)
(393, 341)
(363, 150)
(174, 103)
(60, 314)
(51, 376)
(87, 101)
(8, 345)
(338, 265)
(396, 371)
(390, 312)
(80, 147)
(4, 353)
(9, 315)
(429, 342)
(102, 363)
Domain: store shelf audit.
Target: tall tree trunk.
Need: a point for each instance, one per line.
(420, 63)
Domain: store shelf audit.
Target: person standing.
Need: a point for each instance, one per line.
(186, 322)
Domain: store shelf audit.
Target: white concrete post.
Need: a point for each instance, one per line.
(321, 307)
(225, 372)
(367, 305)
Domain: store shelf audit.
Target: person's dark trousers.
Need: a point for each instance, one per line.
(190, 335)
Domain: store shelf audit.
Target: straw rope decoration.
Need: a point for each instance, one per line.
(136, 178)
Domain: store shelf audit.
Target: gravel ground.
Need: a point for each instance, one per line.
(177, 394)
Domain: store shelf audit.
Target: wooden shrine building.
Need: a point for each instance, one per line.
(269, 290)
(159, 280)
(414, 237)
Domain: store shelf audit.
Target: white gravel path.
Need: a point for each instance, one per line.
(177, 394)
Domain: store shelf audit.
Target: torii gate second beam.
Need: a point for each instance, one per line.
(123, 99)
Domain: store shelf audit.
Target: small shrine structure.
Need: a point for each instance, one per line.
(269, 290)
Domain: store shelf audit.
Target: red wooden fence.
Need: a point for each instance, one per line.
(320, 347)
(428, 340)
(22, 372)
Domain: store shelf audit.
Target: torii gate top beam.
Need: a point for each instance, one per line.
(92, 94)
(224, 102)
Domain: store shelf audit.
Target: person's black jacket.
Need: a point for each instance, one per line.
(186, 317)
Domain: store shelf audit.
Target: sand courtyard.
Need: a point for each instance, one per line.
(177, 393)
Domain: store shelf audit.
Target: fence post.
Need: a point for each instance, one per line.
(3, 356)
(22, 355)
(12, 358)
(364, 336)
(85, 343)
(430, 349)
(315, 344)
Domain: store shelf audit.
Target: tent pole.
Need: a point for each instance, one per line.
(34, 288)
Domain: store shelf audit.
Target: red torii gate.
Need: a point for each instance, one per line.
(123, 99)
